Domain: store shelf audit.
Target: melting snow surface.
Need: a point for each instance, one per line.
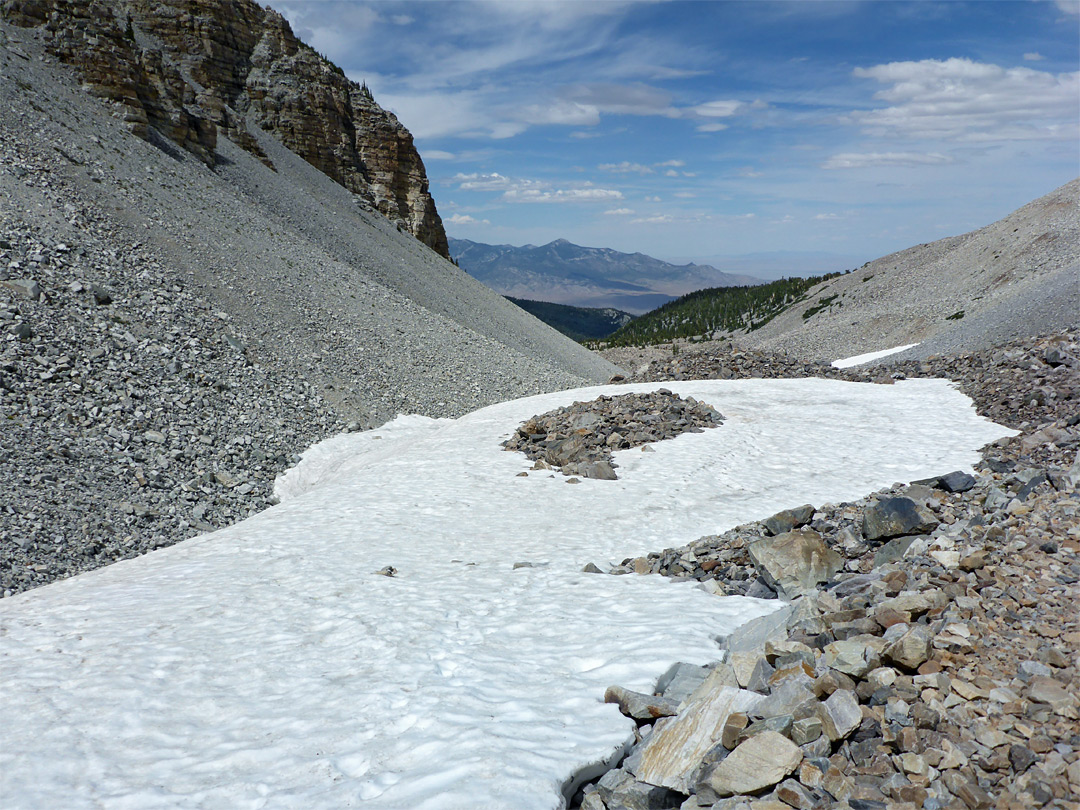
(859, 359)
(267, 666)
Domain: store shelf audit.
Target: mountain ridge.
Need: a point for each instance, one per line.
(562, 272)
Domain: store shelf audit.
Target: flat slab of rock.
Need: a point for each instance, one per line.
(794, 562)
(758, 763)
(677, 746)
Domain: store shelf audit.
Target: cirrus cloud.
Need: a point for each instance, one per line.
(864, 160)
(963, 100)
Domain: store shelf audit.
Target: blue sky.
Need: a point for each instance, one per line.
(702, 129)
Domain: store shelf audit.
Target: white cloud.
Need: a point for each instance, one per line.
(863, 160)
(518, 190)
(962, 100)
(712, 127)
(684, 195)
(623, 99)
(826, 216)
(653, 199)
(565, 112)
(719, 109)
(433, 115)
(571, 195)
(1069, 6)
(657, 219)
(465, 219)
(402, 19)
(619, 212)
(437, 154)
(626, 167)
(482, 182)
(675, 163)
(1034, 56)
(749, 171)
(671, 173)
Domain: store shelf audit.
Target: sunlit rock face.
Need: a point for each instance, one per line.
(195, 69)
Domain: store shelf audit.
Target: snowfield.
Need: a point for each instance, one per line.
(267, 665)
(859, 359)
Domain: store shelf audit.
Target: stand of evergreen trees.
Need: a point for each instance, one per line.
(725, 309)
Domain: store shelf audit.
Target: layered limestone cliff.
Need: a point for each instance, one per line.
(193, 69)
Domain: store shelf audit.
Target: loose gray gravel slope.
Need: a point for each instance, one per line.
(1016, 277)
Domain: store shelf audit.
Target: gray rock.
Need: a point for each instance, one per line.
(956, 482)
(24, 287)
(102, 297)
(630, 794)
(842, 714)
(785, 698)
(895, 517)
(789, 519)
(679, 682)
(751, 637)
(674, 750)
(795, 562)
(847, 656)
(600, 470)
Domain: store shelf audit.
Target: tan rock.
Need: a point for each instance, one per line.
(760, 762)
(673, 752)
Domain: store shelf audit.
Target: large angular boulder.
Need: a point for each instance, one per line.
(795, 562)
(759, 762)
(897, 517)
(676, 747)
(789, 519)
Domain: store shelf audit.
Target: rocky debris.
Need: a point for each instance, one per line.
(130, 421)
(579, 439)
(1022, 384)
(937, 669)
(192, 71)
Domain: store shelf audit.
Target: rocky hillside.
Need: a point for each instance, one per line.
(174, 331)
(1015, 277)
(193, 71)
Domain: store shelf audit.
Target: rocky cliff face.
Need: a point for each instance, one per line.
(193, 69)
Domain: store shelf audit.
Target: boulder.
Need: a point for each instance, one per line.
(672, 753)
(789, 519)
(897, 517)
(911, 646)
(795, 562)
(758, 763)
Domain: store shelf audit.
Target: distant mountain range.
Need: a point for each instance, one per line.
(565, 273)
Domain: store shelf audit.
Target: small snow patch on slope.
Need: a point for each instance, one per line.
(859, 359)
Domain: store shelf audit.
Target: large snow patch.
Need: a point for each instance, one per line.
(266, 665)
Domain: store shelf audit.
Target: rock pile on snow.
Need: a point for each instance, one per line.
(928, 656)
(579, 439)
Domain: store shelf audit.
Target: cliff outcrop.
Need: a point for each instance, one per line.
(189, 70)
